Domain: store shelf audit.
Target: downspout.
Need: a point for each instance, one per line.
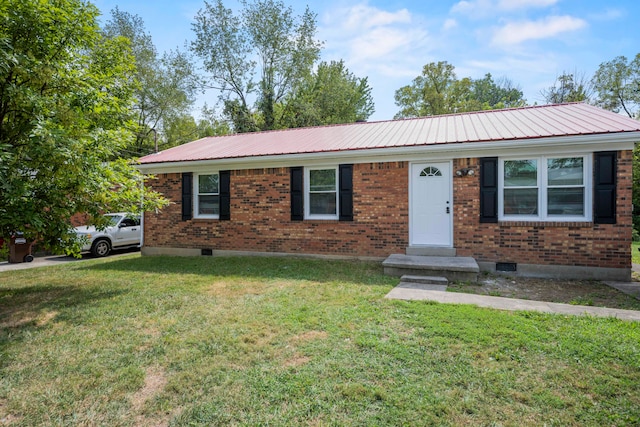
(141, 212)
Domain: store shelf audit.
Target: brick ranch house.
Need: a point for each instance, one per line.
(543, 191)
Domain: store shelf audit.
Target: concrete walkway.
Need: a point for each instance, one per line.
(511, 304)
(417, 292)
(629, 288)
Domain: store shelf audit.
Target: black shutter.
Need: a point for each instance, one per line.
(489, 189)
(604, 188)
(187, 196)
(225, 195)
(345, 193)
(297, 194)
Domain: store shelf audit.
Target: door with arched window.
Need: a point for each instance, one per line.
(431, 208)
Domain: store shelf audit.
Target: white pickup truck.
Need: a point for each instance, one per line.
(123, 232)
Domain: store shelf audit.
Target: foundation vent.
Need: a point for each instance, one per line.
(506, 266)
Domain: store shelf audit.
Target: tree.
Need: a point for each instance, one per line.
(617, 84)
(210, 125)
(438, 91)
(495, 95)
(428, 94)
(165, 86)
(183, 129)
(265, 39)
(331, 95)
(65, 101)
(568, 87)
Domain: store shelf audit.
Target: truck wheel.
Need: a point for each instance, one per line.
(101, 248)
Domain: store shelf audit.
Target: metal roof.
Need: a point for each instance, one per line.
(483, 126)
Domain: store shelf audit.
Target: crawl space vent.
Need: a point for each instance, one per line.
(506, 266)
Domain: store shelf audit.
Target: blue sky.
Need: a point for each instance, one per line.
(529, 41)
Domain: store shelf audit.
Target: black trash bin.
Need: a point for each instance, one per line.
(19, 249)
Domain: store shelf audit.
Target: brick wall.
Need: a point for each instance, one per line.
(260, 221)
(261, 216)
(556, 243)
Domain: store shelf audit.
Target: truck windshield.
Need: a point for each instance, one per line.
(114, 219)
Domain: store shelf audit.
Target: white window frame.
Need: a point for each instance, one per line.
(307, 191)
(542, 186)
(196, 194)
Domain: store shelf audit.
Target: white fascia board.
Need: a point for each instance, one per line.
(432, 152)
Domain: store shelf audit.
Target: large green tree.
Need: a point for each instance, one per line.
(439, 91)
(255, 58)
(617, 85)
(165, 85)
(430, 93)
(490, 94)
(65, 103)
(331, 95)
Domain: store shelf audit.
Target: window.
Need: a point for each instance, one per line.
(545, 188)
(321, 195)
(130, 222)
(430, 171)
(207, 196)
(565, 181)
(521, 187)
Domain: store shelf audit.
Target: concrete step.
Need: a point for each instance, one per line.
(421, 287)
(426, 280)
(430, 251)
(423, 283)
(452, 268)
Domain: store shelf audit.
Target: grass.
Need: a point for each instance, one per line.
(204, 341)
(582, 301)
(635, 253)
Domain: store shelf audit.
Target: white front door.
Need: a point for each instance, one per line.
(431, 205)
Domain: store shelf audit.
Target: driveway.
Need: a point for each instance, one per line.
(55, 260)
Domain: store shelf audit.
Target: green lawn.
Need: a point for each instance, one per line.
(635, 253)
(134, 341)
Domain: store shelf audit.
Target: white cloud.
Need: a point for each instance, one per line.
(473, 7)
(479, 8)
(449, 24)
(515, 33)
(524, 4)
(388, 46)
(363, 17)
(369, 37)
(379, 43)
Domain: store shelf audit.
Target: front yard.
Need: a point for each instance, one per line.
(238, 341)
